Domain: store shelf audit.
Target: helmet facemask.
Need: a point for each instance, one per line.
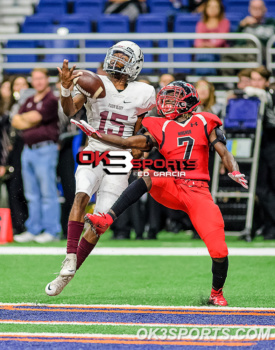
(170, 102)
(120, 60)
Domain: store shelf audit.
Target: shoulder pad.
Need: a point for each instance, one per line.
(210, 117)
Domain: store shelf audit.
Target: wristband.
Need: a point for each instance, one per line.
(65, 92)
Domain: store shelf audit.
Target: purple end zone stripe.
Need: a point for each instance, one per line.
(107, 308)
(136, 317)
(19, 345)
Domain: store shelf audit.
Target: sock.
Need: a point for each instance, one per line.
(75, 229)
(219, 271)
(83, 251)
(132, 193)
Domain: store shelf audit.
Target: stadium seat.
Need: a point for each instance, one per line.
(151, 23)
(58, 7)
(160, 6)
(97, 57)
(270, 5)
(242, 113)
(113, 24)
(60, 44)
(234, 19)
(144, 44)
(177, 57)
(186, 23)
(76, 24)
(238, 6)
(87, 7)
(37, 24)
(20, 44)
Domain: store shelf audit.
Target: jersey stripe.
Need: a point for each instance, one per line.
(163, 133)
(201, 117)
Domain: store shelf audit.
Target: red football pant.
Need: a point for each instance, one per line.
(198, 203)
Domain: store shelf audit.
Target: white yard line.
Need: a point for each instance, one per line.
(4, 250)
(127, 306)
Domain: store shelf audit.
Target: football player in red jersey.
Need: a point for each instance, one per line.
(181, 134)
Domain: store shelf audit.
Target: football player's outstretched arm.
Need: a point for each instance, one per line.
(143, 142)
(70, 105)
(228, 160)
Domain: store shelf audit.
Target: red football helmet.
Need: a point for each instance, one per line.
(177, 98)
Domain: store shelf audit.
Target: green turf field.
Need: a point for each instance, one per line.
(131, 280)
(151, 280)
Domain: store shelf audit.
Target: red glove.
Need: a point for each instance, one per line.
(85, 127)
(238, 177)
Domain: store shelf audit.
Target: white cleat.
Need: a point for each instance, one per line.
(24, 237)
(56, 286)
(45, 237)
(69, 265)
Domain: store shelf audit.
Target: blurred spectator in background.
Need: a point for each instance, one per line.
(66, 162)
(144, 79)
(17, 202)
(130, 8)
(213, 21)
(206, 91)
(5, 101)
(38, 120)
(266, 174)
(244, 78)
(256, 23)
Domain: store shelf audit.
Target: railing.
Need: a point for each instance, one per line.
(270, 50)
(170, 50)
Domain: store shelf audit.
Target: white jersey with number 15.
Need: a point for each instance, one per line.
(117, 112)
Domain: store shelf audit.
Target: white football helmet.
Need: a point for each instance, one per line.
(131, 67)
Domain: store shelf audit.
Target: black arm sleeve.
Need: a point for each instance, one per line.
(220, 137)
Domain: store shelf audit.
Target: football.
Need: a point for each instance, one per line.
(89, 84)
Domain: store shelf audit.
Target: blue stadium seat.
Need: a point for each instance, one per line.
(37, 24)
(177, 57)
(160, 6)
(54, 7)
(238, 6)
(270, 5)
(60, 44)
(93, 8)
(186, 23)
(234, 19)
(144, 44)
(76, 24)
(113, 24)
(242, 113)
(97, 57)
(151, 23)
(20, 44)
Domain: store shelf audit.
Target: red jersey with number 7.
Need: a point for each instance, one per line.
(188, 140)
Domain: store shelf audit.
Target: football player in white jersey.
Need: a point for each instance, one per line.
(120, 113)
